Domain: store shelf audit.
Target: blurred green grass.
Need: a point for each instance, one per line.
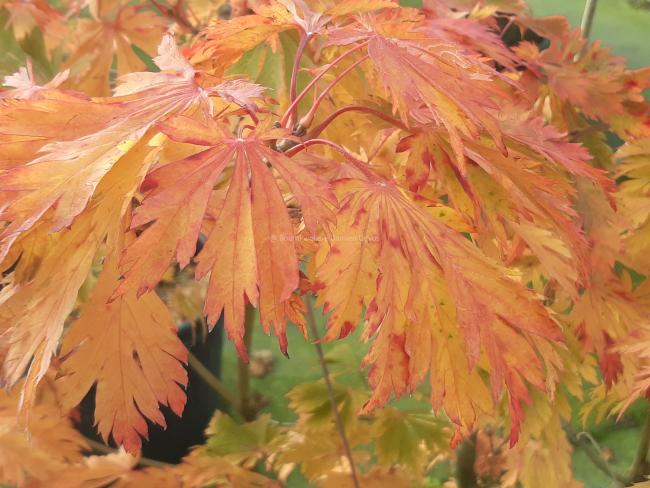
(616, 23)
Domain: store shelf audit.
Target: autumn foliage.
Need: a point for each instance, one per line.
(455, 197)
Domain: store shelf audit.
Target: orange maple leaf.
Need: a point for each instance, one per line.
(250, 252)
(429, 82)
(109, 35)
(43, 285)
(425, 273)
(130, 350)
(65, 174)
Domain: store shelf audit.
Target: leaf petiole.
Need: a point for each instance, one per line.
(304, 40)
(294, 105)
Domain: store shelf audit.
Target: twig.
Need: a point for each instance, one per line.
(588, 17)
(315, 132)
(174, 15)
(307, 119)
(304, 40)
(243, 370)
(311, 320)
(312, 142)
(640, 466)
(294, 105)
(211, 380)
(104, 449)
(585, 444)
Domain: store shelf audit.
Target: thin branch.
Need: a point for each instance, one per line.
(301, 95)
(211, 380)
(640, 466)
(348, 156)
(243, 370)
(174, 15)
(304, 40)
(585, 444)
(588, 17)
(311, 320)
(315, 132)
(104, 449)
(306, 121)
(312, 142)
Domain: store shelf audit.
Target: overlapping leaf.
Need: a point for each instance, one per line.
(250, 252)
(65, 174)
(226, 41)
(58, 266)
(422, 75)
(108, 37)
(129, 348)
(428, 300)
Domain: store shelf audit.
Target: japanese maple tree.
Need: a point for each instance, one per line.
(479, 209)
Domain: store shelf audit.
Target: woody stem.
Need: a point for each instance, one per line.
(588, 17)
(211, 380)
(311, 320)
(640, 466)
(246, 407)
(312, 142)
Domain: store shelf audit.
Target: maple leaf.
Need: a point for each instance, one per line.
(553, 146)
(55, 187)
(428, 82)
(640, 384)
(399, 435)
(200, 469)
(25, 17)
(130, 350)
(241, 444)
(524, 192)
(23, 85)
(606, 309)
(426, 274)
(503, 204)
(546, 450)
(588, 78)
(26, 126)
(445, 24)
(376, 477)
(65, 174)
(33, 457)
(109, 34)
(633, 167)
(226, 41)
(94, 471)
(255, 263)
(34, 309)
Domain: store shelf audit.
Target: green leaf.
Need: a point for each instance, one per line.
(12, 56)
(239, 442)
(34, 47)
(272, 69)
(146, 59)
(312, 404)
(403, 438)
